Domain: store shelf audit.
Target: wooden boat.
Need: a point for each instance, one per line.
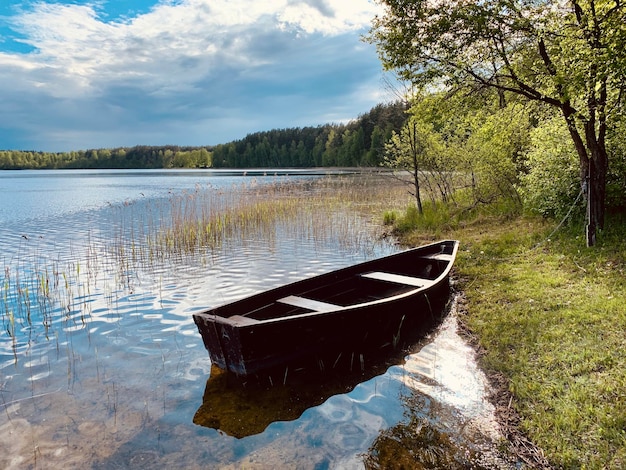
(340, 316)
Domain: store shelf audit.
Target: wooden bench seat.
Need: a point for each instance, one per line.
(309, 304)
(439, 256)
(399, 279)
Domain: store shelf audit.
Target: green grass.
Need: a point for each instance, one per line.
(550, 316)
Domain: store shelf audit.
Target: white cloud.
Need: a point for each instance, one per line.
(74, 39)
(180, 60)
(328, 17)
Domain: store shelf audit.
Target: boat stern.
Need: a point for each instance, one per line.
(221, 340)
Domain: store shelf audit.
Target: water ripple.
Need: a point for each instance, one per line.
(109, 371)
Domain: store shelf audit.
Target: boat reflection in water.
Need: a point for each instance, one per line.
(245, 406)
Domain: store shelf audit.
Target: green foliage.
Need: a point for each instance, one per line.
(135, 157)
(439, 217)
(358, 143)
(415, 149)
(616, 179)
(550, 321)
(494, 150)
(552, 183)
(410, 220)
(475, 146)
(516, 46)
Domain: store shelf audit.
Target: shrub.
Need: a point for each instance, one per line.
(552, 183)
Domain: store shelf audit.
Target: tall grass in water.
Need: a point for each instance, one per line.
(31, 295)
(337, 208)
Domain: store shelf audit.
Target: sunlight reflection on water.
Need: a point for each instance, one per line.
(110, 374)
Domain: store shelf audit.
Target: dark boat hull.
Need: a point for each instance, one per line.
(336, 319)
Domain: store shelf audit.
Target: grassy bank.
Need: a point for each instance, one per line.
(549, 316)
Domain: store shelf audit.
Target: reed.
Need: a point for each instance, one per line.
(32, 292)
(326, 208)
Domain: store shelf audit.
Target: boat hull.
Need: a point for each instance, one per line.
(340, 319)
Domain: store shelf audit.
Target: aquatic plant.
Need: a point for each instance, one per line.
(324, 208)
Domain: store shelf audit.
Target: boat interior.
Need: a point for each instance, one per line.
(360, 287)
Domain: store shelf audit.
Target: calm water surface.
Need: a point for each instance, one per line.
(101, 365)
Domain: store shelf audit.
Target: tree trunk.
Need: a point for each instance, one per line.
(416, 173)
(418, 196)
(596, 194)
(593, 170)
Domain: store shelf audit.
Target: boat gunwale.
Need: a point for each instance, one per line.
(253, 322)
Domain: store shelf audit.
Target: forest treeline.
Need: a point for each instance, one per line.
(357, 143)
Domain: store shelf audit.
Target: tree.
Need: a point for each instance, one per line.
(570, 55)
(372, 157)
(411, 150)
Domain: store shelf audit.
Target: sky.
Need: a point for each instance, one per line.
(77, 75)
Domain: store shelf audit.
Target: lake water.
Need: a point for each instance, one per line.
(101, 365)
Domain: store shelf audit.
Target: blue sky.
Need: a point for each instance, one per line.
(88, 74)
